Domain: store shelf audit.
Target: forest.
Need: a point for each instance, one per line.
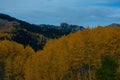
(90, 54)
(59, 39)
(30, 34)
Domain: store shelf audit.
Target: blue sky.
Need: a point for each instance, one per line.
(80, 12)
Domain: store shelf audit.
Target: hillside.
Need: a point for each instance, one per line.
(31, 34)
(65, 52)
(91, 54)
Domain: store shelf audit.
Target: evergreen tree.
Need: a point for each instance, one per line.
(108, 69)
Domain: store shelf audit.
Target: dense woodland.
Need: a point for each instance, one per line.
(92, 54)
(89, 54)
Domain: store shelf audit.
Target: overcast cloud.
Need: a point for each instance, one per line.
(80, 12)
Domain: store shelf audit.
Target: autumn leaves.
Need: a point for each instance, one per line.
(74, 57)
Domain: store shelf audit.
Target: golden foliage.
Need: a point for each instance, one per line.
(75, 56)
(13, 56)
(72, 57)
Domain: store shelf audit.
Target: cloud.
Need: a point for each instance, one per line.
(81, 12)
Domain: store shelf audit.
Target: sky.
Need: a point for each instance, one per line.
(79, 12)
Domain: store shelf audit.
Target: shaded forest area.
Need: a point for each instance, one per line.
(30, 34)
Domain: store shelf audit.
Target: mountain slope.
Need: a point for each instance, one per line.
(30, 34)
